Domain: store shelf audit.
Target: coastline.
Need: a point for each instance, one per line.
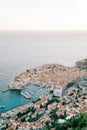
(63, 98)
(14, 111)
(51, 76)
(46, 75)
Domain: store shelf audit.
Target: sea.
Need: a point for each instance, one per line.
(21, 50)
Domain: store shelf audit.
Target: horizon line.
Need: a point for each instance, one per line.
(43, 30)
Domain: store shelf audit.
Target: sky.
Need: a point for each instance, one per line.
(43, 15)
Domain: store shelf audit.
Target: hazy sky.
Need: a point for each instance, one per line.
(43, 15)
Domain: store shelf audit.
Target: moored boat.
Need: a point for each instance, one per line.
(25, 94)
(2, 106)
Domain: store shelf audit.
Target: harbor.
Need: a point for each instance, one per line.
(14, 99)
(25, 95)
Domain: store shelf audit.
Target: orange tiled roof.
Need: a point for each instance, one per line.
(23, 123)
(38, 124)
(46, 116)
(30, 125)
(39, 110)
(51, 106)
(43, 99)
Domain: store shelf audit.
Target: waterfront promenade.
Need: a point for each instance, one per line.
(13, 112)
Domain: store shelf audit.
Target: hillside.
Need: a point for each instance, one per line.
(51, 111)
(60, 109)
(82, 64)
(78, 122)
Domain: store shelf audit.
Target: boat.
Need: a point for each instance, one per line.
(25, 94)
(2, 106)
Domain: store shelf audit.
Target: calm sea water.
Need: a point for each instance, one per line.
(22, 50)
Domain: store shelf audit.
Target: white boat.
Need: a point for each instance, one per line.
(25, 94)
(2, 106)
